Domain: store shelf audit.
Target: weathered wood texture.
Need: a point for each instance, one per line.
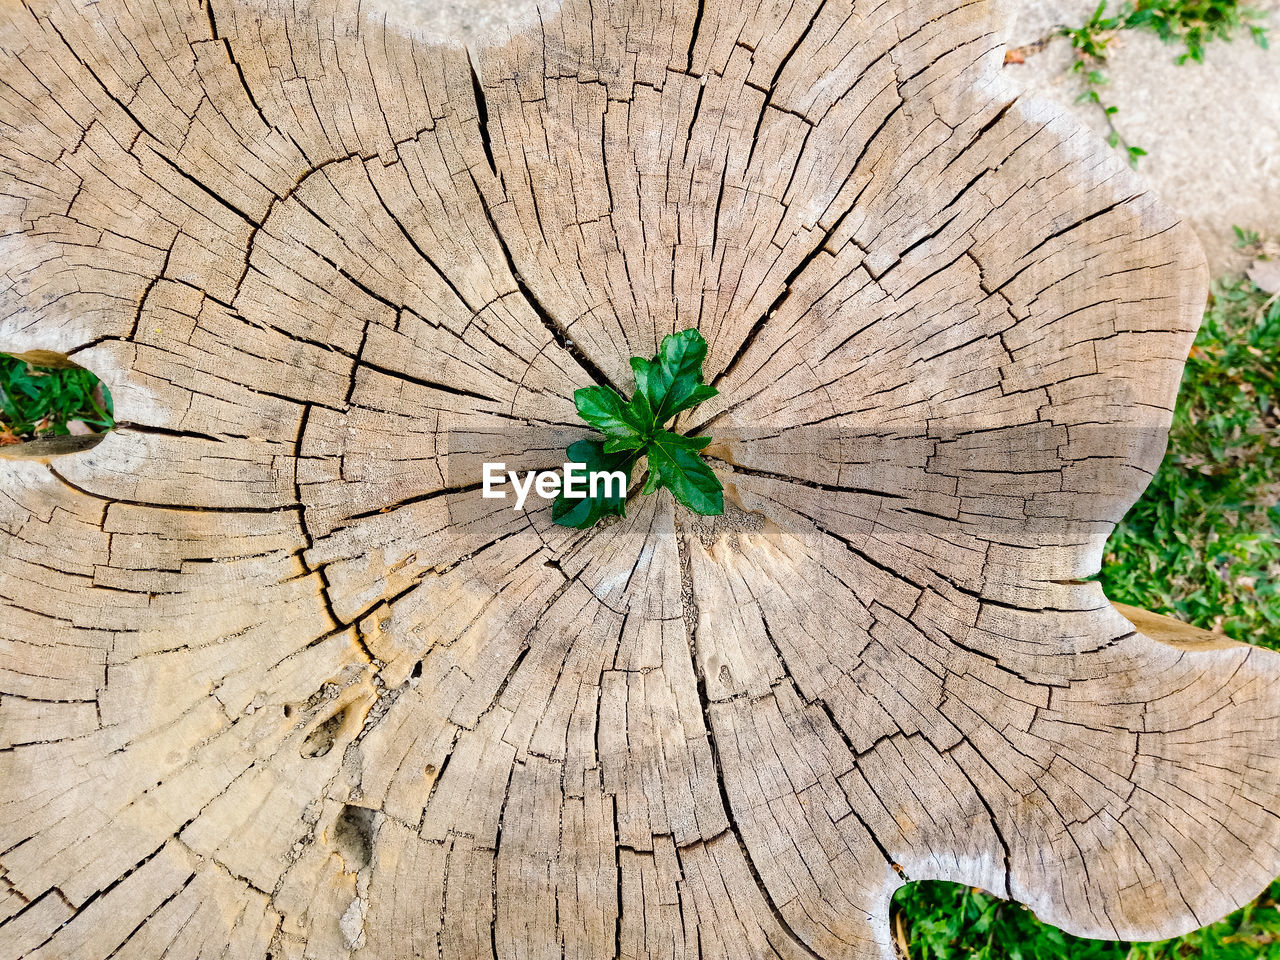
(276, 681)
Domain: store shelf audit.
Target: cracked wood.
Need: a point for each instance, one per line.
(276, 681)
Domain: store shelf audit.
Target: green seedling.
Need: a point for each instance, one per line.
(666, 385)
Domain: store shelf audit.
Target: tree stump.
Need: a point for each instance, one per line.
(276, 681)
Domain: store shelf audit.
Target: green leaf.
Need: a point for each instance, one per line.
(647, 377)
(700, 393)
(618, 420)
(679, 468)
(665, 385)
(1246, 238)
(672, 380)
(691, 443)
(582, 513)
(639, 415)
(621, 444)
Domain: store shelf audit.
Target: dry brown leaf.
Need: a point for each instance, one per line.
(1266, 274)
(78, 428)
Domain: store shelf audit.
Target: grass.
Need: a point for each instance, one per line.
(44, 401)
(1202, 544)
(947, 921)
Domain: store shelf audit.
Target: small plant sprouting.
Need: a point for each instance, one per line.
(1246, 239)
(635, 428)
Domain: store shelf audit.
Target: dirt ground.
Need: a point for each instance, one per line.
(1212, 130)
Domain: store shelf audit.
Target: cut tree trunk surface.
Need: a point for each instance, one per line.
(275, 679)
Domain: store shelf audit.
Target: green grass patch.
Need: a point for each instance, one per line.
(1203, 543)
(948, 921)
(43, 401)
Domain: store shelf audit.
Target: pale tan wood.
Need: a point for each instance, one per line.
(276, 681)
(1172, 631)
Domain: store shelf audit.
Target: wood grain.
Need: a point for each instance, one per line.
(275, 681)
